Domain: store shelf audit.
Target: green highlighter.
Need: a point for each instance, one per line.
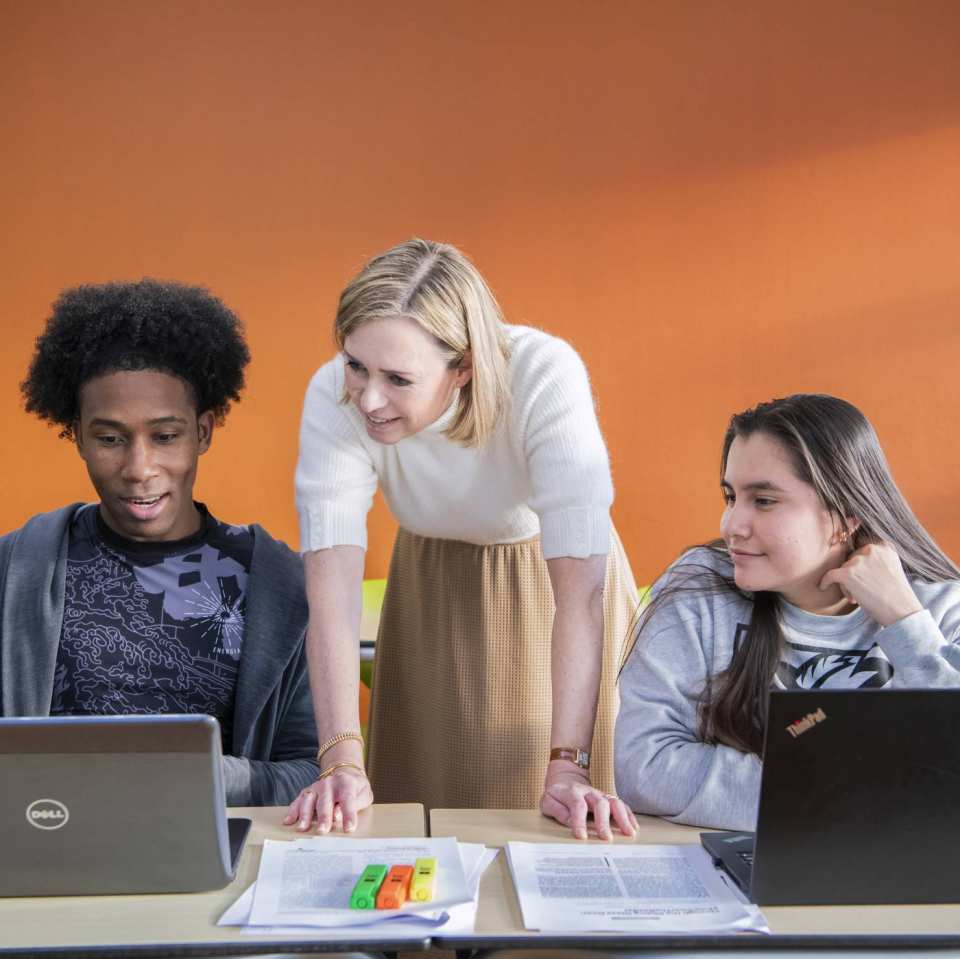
(364, 895)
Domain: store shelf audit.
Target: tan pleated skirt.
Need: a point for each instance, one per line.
(461, 689)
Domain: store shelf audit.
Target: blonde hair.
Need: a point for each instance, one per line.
(436, 286)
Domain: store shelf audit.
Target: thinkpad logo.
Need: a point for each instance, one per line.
(47, 814)
(799, 726)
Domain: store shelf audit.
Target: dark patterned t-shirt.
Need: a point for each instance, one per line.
(152, 627)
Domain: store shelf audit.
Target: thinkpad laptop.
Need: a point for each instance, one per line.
(859, 801)
(129, 804)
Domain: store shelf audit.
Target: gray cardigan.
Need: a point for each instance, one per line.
(274, 735)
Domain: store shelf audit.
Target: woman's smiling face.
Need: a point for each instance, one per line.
(399, 377)
(781, 536)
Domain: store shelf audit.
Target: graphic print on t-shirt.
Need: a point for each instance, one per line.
(152, 628)
(813, 667)
(810, 666)
(203, 589)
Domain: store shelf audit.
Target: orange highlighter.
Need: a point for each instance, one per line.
(393, 893)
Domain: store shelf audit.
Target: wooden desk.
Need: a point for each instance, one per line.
(500, 925)
(184, 924)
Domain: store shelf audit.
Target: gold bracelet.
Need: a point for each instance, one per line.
(339, 738)
(330, 770)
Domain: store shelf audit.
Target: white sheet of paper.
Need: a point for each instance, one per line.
(307, 882)
(405, 925)
(637, 889)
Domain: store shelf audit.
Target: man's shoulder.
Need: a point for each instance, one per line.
(271, 553)
(36, 545)
(277, 591)
(42, 527)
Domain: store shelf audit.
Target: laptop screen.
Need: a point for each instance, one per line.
(858, 797)
(98, 804)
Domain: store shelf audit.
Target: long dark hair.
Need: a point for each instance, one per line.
(833, 447)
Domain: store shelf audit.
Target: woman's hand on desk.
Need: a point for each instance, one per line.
(336, 797)
(569, 798)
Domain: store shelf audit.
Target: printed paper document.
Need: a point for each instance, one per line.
(414, 921)
(637, 889)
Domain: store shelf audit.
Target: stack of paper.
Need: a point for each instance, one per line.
(637, 889)
(304, 885)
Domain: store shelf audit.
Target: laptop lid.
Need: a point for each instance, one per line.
(112, 804)
(859, 797)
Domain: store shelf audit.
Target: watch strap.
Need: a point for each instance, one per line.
(579, 756)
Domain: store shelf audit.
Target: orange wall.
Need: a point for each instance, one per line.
(716, 202)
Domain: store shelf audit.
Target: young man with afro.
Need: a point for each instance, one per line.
(144, 602)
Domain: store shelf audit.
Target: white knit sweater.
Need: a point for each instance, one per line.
(544, 470)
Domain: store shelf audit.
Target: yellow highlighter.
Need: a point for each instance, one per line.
(424, 882)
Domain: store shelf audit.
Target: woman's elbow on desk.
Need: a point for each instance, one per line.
(646, 776)
(687, 782)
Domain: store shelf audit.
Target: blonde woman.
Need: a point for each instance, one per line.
(508, 593)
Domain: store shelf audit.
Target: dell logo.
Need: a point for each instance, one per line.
(47, 814)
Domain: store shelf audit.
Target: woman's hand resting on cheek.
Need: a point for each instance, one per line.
(873, 577)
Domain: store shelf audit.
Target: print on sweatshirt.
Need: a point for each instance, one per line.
(816, 664)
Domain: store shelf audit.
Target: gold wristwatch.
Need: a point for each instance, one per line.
(579, 756)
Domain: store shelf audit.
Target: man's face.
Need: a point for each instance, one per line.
(140, 435)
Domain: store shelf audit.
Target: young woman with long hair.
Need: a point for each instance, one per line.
(822, 578)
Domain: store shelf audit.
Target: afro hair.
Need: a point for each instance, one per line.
(147, 325)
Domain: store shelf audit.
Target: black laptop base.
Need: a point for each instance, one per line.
(733, 853)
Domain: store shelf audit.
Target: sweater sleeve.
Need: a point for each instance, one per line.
(335, 477)
(274, 733)
(661, 765)
(924, 648)
(561, 441)
(292, 765)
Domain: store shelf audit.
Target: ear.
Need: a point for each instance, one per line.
(844, 532)
(205, 424)
(464, 370)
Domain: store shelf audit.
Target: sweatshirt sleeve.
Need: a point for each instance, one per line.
(561, 441)
(335, 478)
(923, 647)
(661, 765)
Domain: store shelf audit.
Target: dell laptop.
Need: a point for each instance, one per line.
(96, 805)
(859, 801)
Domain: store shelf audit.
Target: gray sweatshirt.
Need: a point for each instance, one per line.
(663, 768)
